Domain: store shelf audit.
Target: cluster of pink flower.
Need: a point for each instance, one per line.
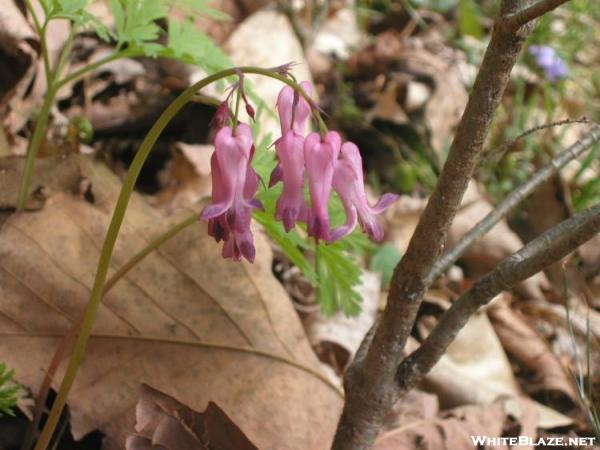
(325, 161)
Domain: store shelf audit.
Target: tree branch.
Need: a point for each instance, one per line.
(496, 151)
(513, 199)
(370, 381)
(546, 249)
(516, 20)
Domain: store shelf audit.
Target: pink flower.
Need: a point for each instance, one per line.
(294, 112)
(291, 205)
(293, 109)
(349, 184)
(320, 156)
(234, 185)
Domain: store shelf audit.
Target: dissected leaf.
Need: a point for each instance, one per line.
(192, 324)
(338, 337)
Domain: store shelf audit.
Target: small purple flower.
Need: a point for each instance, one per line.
(548, 60)
(320, 156)
(234, 185)
(349, 184)
(294, 112)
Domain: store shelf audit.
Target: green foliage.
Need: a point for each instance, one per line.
(384, 261)
(333, 270)
(8, 391)
(468, 19)
(138, 28)
(442, 6)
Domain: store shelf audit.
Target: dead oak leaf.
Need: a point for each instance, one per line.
(184, 320)
(163, 422)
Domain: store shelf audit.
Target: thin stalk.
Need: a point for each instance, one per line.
(237, 107)
(115, 225)
(93, 66)
(41, 31)
(34, 146)
(64, 55)
(152, 245)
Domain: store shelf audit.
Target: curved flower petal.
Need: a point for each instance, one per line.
(348, 182)
(294, 116)
(234, 184)
(291, 205)
(320, 156)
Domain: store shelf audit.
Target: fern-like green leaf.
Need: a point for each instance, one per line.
(9, 391)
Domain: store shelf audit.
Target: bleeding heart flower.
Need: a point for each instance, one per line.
(293, 109)
(320, 156)
(349, 184)
(291, 205)
(234, 185)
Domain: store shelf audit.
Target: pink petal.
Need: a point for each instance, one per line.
(320, 157)
(285, 106)
(291, 204)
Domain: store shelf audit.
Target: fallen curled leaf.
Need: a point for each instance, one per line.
(528, 348)
(186, 179)
(494, 246)
(452, 430)
(169, 424)
(185, 320)
(476, 370)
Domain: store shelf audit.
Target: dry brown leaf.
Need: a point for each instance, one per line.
(167, 423)
(530, 350)
(401, 220)
(449, 97)
(494, 246)
(453, 430)
(590, 256)
(546, 207)
(16, 51)
(185, 320)
(475, 370)
(186, 179)
(52, 174)
(337, 338)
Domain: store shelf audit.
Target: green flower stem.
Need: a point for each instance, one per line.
(113, 231)
(237, 108)
(64, 55)
(152, 245)
(34, 146)
(93, 66)
(43, 116)
(41, 31)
